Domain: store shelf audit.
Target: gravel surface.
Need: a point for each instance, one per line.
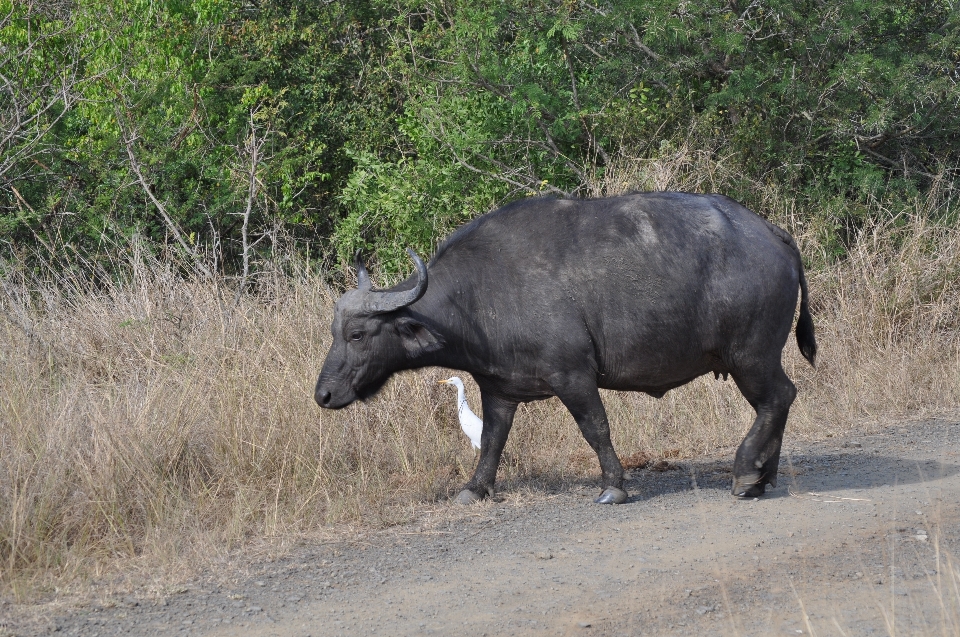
(858, 539)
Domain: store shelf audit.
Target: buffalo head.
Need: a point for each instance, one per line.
(374, 335)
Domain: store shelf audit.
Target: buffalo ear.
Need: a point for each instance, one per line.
(416, 337)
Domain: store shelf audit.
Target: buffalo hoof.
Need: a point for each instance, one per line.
(612, 495)
(749, 487)
(467, 497)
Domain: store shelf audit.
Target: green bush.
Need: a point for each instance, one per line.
(379, 125)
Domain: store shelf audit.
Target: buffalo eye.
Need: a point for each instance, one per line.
(356, 336)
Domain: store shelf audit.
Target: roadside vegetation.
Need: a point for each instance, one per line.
(153, 416)
(182, 183)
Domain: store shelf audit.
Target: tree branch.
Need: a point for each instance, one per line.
(253, 147)
(129, 141)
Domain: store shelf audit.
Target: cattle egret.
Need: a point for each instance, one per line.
(471, 425)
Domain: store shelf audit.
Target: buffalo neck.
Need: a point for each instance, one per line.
(448, 308)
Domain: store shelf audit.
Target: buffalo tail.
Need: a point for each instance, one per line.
(806, 341)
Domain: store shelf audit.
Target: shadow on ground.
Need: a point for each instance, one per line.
(842, 466)
(808, 472)
(811, 472)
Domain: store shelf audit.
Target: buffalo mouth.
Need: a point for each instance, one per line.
(326, 401)
(330, 398)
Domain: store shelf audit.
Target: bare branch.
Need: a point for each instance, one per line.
(23, 202)
(129, 141)
(252, 147)
(637, 42)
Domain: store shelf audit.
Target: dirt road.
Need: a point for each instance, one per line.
(858, 539)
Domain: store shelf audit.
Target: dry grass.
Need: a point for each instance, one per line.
(153, 420)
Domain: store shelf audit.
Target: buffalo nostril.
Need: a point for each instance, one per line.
(325, 399)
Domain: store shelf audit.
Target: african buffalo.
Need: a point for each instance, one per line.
(559, 297)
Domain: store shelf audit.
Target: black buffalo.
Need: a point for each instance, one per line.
(560, 297)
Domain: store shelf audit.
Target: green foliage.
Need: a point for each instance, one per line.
(181, 91)
(831, 101)
(408, 203)
(378, 125)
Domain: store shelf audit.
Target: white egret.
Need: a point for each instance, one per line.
(469, 422)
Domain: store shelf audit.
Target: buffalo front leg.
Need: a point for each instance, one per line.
(758, 457)
(583, 401)
(497, 420)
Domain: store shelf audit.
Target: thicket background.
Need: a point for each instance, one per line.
(181, 182)
(217, 126)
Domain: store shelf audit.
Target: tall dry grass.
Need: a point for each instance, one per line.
(154, 414)
(151, 417)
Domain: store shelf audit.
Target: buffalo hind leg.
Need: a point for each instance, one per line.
(758, 457)
(584, 403)
(497, 421)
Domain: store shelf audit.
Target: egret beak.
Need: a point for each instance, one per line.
(441, 382)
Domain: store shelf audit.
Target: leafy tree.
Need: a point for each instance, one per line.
(209, 125)
(204, 124)
(40, 71)
(829, 99)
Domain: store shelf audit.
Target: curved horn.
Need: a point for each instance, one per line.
(382, 302)
(363, 279)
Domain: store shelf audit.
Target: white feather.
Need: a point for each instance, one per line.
(469, 422)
